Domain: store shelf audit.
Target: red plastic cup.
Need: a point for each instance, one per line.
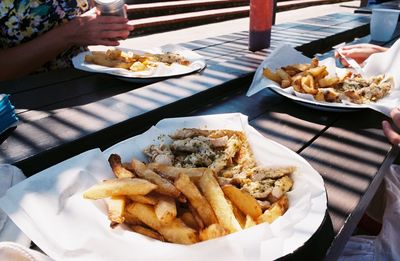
(261, 15)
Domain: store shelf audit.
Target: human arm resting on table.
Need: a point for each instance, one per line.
(87, 29)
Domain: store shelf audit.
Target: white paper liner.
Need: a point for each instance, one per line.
(197, 63)
(50, 209)
(380, 63)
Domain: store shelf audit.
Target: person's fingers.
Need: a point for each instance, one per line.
(395, 114)
(112, 20)
(113, 34)
(106, 42)
(115, 27)
(390, 133)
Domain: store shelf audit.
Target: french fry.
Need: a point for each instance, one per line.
(285, 83)
(175, 232)
(131, 219)
(189, 219)
(272, 76)
(276, 210)
(240, 217)
(212, 231)
(165, 209)
(163, 185)
(214, 194)
(249, 222)
(308, 84)
(203, 208)
(172, 173)
(147, 232)
(316, 70)
(243, 200)
(328, 82)
(319, 96)
(197, 218)
(283, 75)
(147, 199)
(117, 168)
(119, 187)
(116, 208)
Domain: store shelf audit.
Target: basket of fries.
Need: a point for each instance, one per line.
(205, 187)
(139, 65)
(321, 84)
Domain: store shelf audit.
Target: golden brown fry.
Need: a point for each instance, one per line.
(198, 201)
(240, 217)
(164, 186)
(147, 199)
(215, 196)
(276, 210)
(285, 83)
(119, 187)
(116, 208)
(165, 209)
(243, 200)
(147, 232)
(172, 173)
(197, 218)
(131, 219)
(189, 220)
(308, 84)
(316, 70)
(328, 82)
(175, 232)
(319, 96)
(283, 75)
(249, 222)
(272, 76)
(314, 62)
(118, 169)
(212, 231)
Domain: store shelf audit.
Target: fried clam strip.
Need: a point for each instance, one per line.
(119, 187)
(176, 231)
(195, 198)
(172, 173)
(189, 133)
(119, 170)
(215, 196)
(164, 186)
(261, 173)
(232, 147)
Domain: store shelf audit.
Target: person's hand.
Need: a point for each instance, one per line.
(388, 129)
(359, 52)
(91, 28)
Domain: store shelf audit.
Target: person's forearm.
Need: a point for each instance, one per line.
(27, 57)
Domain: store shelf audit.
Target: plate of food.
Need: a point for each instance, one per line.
(141, 65)
(205, 187)
(322, 85)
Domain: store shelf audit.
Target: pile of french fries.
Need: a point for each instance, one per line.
(134, 62)
(178, 205)
(313, 79)
(307, 78)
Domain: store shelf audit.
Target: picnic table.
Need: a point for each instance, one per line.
(66, 112)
